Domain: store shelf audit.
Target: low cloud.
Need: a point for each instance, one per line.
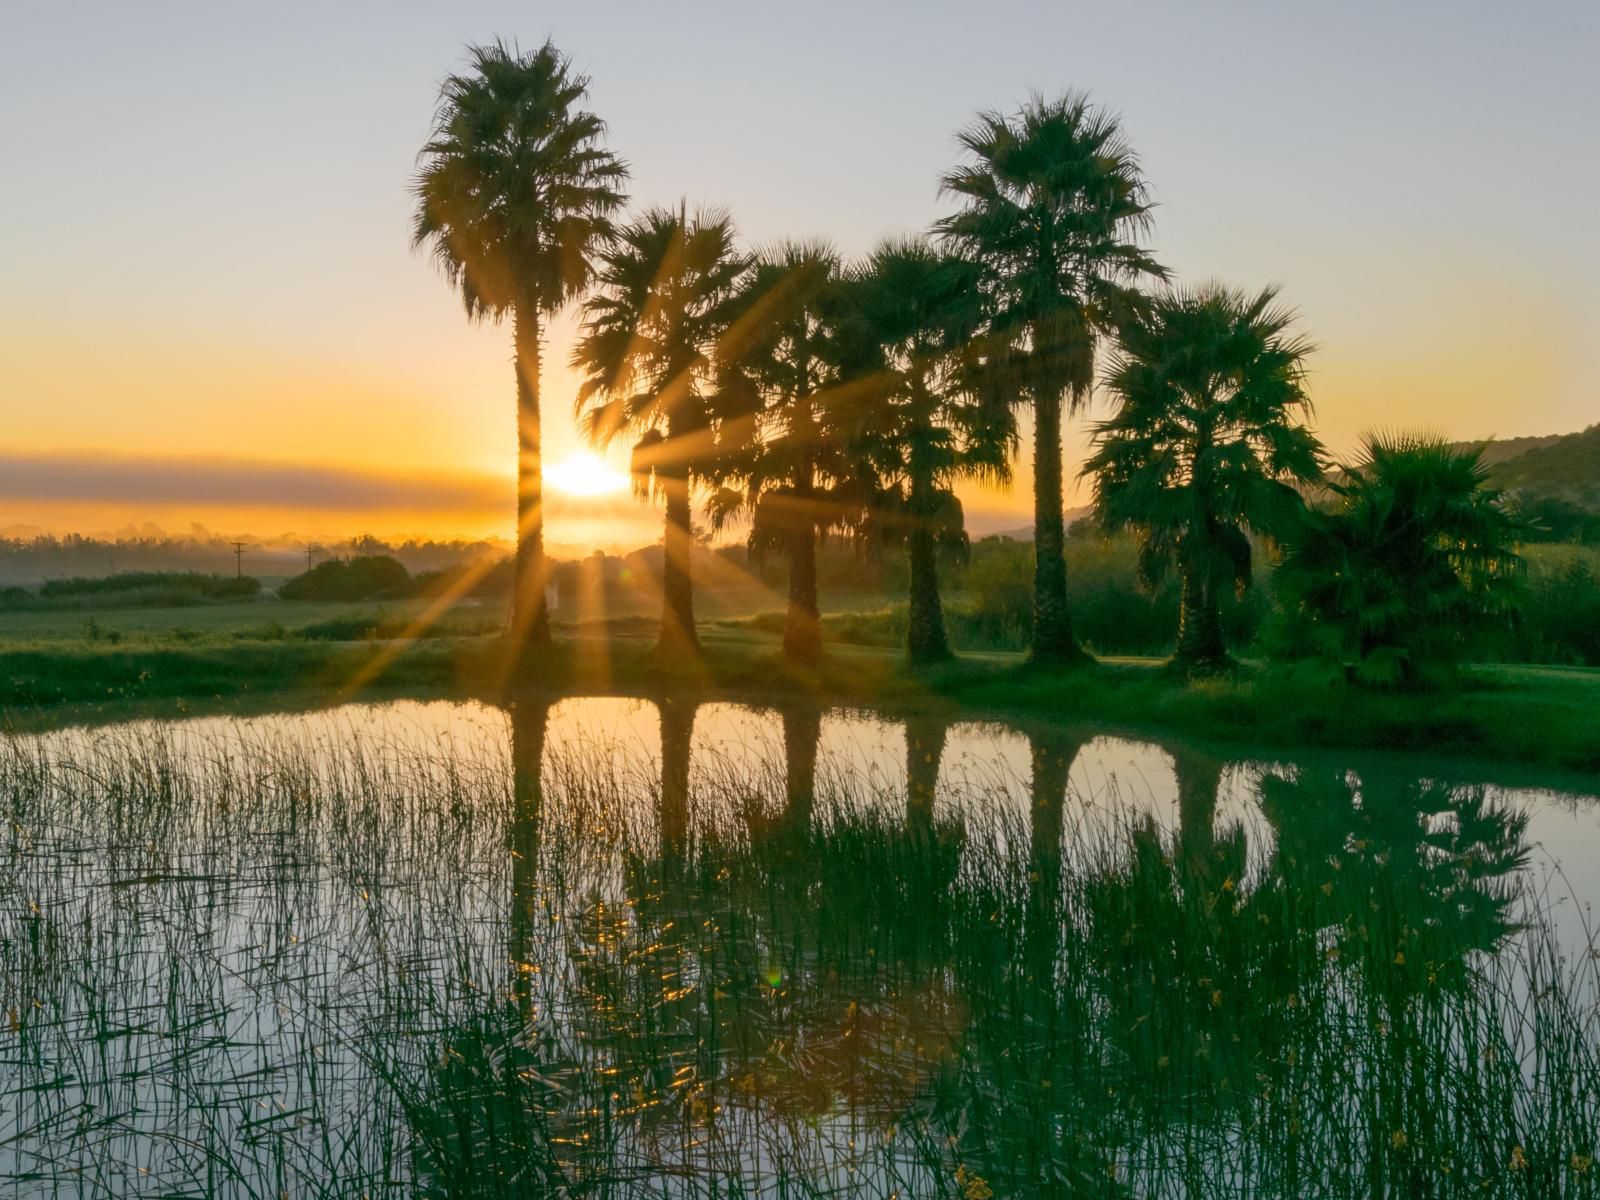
(246, 483)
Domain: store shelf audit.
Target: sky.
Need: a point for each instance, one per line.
(210, 310)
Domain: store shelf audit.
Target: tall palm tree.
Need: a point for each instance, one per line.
(514, 194)
(915, 419)
(1207, 446)
(1053, 207)
(668, 293)
(795, 469)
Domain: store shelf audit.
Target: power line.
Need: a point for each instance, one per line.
(238, 559)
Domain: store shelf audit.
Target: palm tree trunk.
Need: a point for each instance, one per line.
(925, 738)
(1201, 649)
(677, 590)
(530, 619)
(925, 636)
(677, 739)
(802, 737)
(1052, 623)
(1199, 787)
(802, 631)
(529, 721)
(1052, 757)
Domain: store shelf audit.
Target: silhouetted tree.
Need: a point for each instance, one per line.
(1414, 554)
(1207, 446)
(1053, 205)
(668, 293)
(915, 419)
(797, 475)
(514, 194)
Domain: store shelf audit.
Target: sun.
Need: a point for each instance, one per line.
(584, 474)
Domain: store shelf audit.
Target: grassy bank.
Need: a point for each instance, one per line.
(1536, 715)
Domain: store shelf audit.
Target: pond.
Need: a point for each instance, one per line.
(609, 947)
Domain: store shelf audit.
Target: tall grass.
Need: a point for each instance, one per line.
(259, 964)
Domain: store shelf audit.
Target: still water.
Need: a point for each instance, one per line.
(604, 947)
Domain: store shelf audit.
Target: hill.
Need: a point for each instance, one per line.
(1565, 468)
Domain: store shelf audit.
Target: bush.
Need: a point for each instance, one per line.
(132, 589)
(1560, 617)
(1412, 565)
(372, 577)
(205, 587)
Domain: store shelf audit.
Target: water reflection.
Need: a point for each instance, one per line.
(619, 948)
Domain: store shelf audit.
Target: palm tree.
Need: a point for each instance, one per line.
(915, 419)
(514, 194)
(1053, 205)
(668, 294)
(798, 482)
(1206, 446)
(1416, 553)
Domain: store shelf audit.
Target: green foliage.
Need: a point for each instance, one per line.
(515, 190)
(1552, 519)
(1207, 445)
(668, 288)
(1415, 555)
(1559, 620)
(133, 589)
(990, 604)
(368, 577)
(914, 419)
(1053, 207)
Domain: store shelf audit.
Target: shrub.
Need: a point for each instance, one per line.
(370, 577)
(1411, 564)
(202, 586)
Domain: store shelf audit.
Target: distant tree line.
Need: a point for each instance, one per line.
(131, 589)
(819, 397)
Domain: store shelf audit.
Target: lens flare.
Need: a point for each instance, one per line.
(584, 474)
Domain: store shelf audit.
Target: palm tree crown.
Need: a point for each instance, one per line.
(1053, 207)
(514, 194)
(667, 296)
(516, 191)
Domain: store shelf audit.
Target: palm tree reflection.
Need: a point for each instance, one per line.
(853, 991)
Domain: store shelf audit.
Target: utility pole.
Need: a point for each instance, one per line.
(238, 559)
(310, 550)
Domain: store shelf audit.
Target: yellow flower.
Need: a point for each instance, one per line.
(1519, 1160)
(973, 1187)
(1581, 1163)
(1398, 1139)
